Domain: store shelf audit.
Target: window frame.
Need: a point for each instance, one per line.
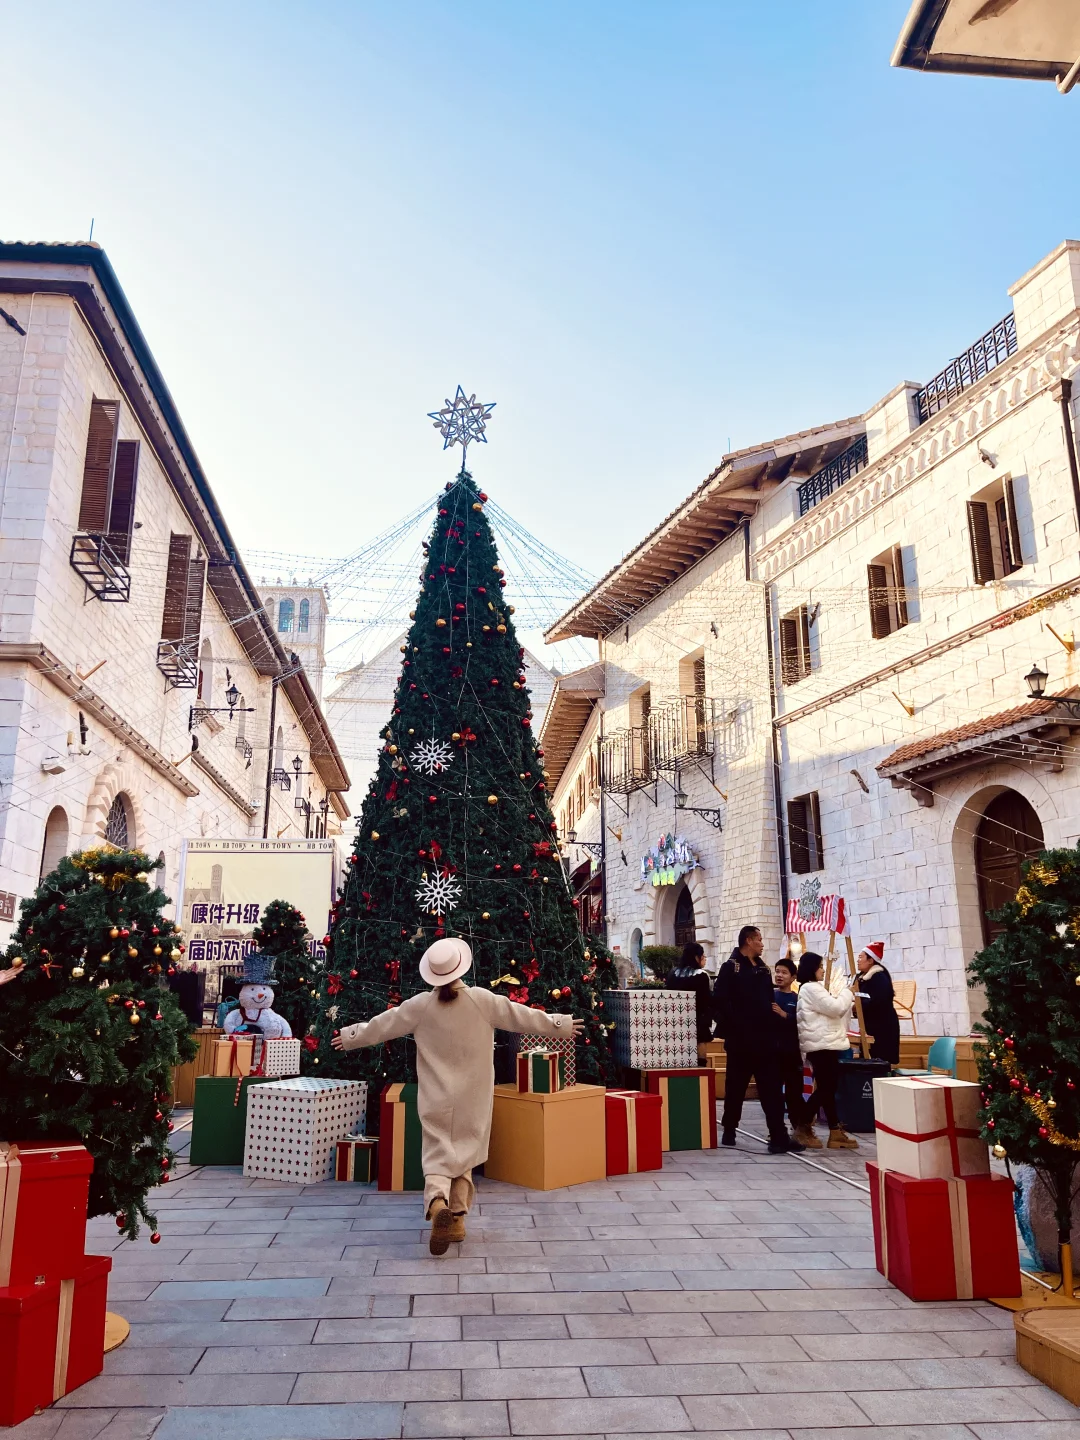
(806, 855)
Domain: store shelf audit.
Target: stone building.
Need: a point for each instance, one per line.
(830, 650)
(146, 695)
(298, 614)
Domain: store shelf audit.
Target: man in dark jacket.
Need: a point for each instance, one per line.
(690, 974)
(743, 1003)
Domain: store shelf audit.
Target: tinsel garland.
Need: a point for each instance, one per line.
(1040, 1108)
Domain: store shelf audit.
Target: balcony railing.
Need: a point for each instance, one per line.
(978, 360)
(100, 568)
(178, 661)
(833, 475)
(680, 731)
(245, 749)
(625, 761)
(281, 778)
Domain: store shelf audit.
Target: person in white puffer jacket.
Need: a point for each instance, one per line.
(823, 1016)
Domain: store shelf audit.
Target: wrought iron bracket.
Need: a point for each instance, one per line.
(198, 713)
(594, 847)
(712, 816)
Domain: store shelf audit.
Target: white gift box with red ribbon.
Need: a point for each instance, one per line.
(927, 1126)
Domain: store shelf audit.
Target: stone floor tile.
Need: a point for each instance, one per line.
(892, 1345)
(704, 1379)
(478, 1245)
(72, 1424)
(633, 1415)
(466, 1418)
(980, 1342)
(170, 1390)
(283, 1422)
(884, 1432)
(631, 1231)
(854, 1376)
(395, 1284)
(121, 1290)
(452, 1304)
(599, 1302)
(832, 1299)
(523, 1383)
(605, 1327)
(347, 1387)
(39, 1427)
(613, 1280)
(240, 1289)
(243, 1359)
(546, 1264)
(949, 1374)
(942, 1322)
(429, 1265)
(1050, 1404)
(501, 1284)
(153, 1360)
(1027, 1430)
(765, 1412)
(716, 1349)
(402, 1328)
(515, 1327)
(454, 1354)
(157, 1310)
(134, 1424)
(532, 1353)
(641, 1301)
(770, 1322)
(934, 1407)
(222, 1332)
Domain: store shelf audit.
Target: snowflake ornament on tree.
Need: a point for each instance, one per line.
(431, 756)
(439, 893)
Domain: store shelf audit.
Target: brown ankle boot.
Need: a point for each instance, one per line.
(442, 1222)
(457, 1229)
(804, 1134)
(839, 1139)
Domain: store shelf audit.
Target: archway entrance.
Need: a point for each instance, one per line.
(1009, 833)
(685, 924)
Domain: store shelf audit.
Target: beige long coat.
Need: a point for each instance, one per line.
(455, 1065)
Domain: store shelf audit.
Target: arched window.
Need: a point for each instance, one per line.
(285, 611)
(56, 840)
(205, 689)
(279, 749)
(685, 926)
(305, 614)
(118, 828)
(1009, 833)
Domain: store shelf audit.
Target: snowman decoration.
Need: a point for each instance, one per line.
(256, 1015)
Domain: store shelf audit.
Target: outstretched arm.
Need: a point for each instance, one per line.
(390, 1025)
(504, 1014)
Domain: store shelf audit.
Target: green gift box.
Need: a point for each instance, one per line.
(400, 1140)
(219, 1123)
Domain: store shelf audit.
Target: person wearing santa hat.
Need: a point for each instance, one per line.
(879, 1013)
(454, 1027)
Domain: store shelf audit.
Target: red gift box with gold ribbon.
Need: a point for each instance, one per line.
(945, 1239)
(632, 1126)
(52, 1338)
(43, 1194)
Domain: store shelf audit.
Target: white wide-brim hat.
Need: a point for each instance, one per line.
(444, 961)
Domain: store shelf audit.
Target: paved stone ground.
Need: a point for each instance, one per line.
(730, 1294)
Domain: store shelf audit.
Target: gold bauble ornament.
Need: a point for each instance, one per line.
(487, 629)
(440, 623)
(493, 799)
(468, 644)
(392, 749)
(998, 1152)
(477, 505)
(1051, 1104)
(132, 951)
(404, 649)
(174, 953)
(374, 834)
(1077, 981)
(412, 732)
(18, 963)
(157, 949)
(133, 1018)
(555, 994)
(105, 959)
(412, 614)
(114, 933)
(77, 972)
(314, 992)
(143, 875)
(486, 915)
(455, 736)
(545, 879)
(501, 629)
(993, 1054)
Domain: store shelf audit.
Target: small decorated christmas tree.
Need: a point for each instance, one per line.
(1030, 1068)
(88, 1036)
(282, 934)
(456, 836)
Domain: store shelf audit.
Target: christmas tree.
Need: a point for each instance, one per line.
(1030, 1068)
(456, 835)
(282, 934)
(88, 1036)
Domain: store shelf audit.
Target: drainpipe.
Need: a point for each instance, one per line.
(1064, 394)
(774, 729)
(270, 754)
(603, 805)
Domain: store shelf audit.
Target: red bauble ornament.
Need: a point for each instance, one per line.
(1014, 1084)
(155, 1238)
(353, 974)
(990, 1124)
(524, 914)
(121, 1221)
(1009, 1043)
(1069, 1085)
(154, 930)
(432, 799)
(61, 907)
(1043, 1132)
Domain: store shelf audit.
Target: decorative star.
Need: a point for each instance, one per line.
(462, 420)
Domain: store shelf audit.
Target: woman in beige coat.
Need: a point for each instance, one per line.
(454, 1026)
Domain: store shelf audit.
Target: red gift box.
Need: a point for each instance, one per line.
(632, 1125)
(945, 1239)
(52, 1338)
(43, 1195)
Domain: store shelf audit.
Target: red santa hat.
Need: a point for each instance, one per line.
(876, 949)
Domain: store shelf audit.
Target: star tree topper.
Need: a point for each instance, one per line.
(461, 421)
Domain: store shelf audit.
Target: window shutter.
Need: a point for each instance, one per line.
(1016, 555)
(804, 641)
(196, 583)
(982, 552)
(817, 850)
(122, 509)
(174, 616)
(699, 676)
(900, 584)
(97, 486)
(877, 578)
(789, 650)
(798, 836)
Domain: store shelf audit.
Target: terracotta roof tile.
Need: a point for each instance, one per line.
(973, 730)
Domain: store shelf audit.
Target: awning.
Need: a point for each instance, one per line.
(566, 717)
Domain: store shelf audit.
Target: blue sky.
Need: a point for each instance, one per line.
(643, 229)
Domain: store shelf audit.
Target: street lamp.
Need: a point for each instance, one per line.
(1036, 679)
(711, 815)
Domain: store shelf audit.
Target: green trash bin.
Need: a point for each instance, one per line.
(855, 1093)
